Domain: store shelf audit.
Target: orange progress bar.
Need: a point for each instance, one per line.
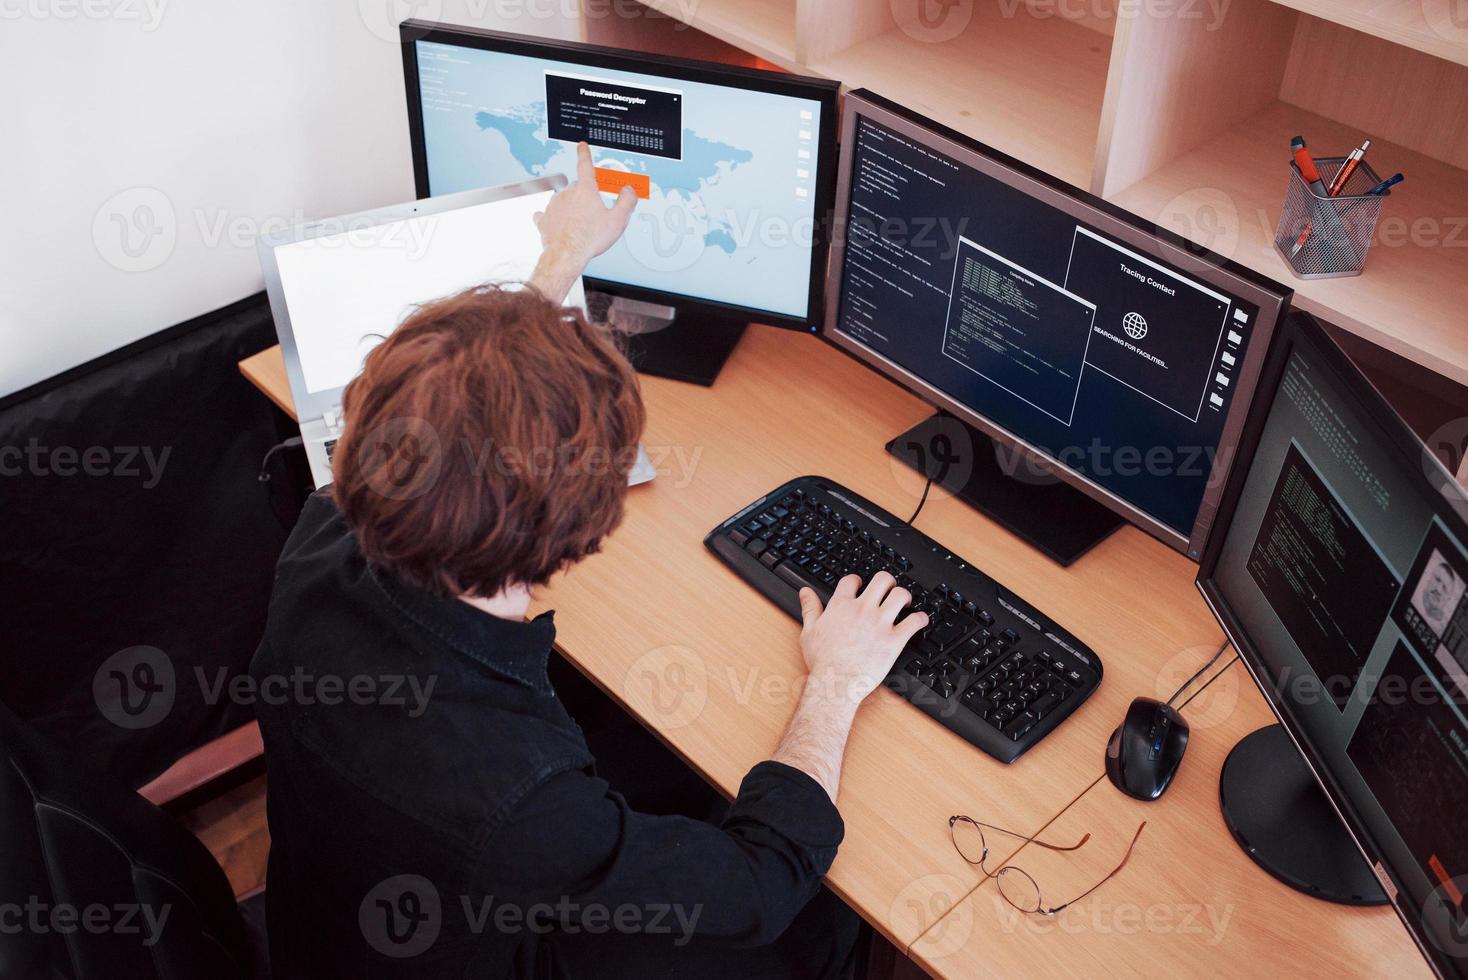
(612, 181)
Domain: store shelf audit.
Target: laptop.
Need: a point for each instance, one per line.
(337, 287)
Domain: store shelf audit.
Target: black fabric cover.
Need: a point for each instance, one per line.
(109, 885)
(91, 565)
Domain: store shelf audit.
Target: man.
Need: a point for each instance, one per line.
(1438, 594)
(440, 816)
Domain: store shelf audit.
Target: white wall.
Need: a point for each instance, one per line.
(145, 143)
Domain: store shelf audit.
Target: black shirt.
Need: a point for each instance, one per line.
(434, 811)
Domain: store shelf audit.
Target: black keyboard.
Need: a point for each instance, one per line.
(989, 665)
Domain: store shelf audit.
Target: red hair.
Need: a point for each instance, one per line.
(487, 442)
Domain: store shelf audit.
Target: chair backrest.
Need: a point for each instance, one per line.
(97, 882)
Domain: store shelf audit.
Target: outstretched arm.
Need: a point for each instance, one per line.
(575, 228)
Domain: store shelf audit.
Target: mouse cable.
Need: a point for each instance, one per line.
(291, 443)
(1189, 682)
(924, 499)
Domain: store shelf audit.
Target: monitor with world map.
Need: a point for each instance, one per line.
(732, 166)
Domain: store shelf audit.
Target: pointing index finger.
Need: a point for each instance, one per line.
(585, 171)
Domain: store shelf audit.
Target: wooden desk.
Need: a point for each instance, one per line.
(1189, 901)
(713, 669)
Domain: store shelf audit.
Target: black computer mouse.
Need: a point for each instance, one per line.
(1144, 752)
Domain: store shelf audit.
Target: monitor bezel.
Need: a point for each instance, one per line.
(1301, 327)
(820, 90)
(1272, 298)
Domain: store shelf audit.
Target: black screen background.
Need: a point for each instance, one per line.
(1038, 237)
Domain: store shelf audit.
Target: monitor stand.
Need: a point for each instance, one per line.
(1040, 509)
(1283, 820)
(662, 342)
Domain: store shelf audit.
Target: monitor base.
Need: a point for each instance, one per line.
(664, 343)
(1042, 510)
(1282, 819)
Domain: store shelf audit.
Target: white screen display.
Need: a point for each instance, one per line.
(349, 289)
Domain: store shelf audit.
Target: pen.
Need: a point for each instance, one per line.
(1349, 167)
(1300, 242)
(1387, 184)
(1306, 163)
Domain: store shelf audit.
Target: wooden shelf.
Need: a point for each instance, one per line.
(1402, 22)
(765, 28)
(1028, 86)
(1412, 296)
(1196, 123)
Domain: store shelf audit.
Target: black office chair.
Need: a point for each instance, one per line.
(101, 883)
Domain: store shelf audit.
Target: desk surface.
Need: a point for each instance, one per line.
(714, 670)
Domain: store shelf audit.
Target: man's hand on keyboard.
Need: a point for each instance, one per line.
(850, 645)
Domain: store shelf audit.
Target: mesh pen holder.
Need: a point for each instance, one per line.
(1336, 231)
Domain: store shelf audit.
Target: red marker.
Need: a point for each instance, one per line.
(1306, 163)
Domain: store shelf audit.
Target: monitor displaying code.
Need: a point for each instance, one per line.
(1321, 576)
(1109, 361)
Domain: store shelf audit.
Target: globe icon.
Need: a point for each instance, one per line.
(1135, 325)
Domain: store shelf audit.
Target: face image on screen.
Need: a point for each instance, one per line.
(726, 177)
(1114, 363)
(1437, 594)
(1344, 568)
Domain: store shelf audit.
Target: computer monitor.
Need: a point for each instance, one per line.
(1070, 346)
(734, 169)
(1338, 567)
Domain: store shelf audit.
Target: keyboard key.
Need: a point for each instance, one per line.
(928, 648)
(1017, 728)
(947, 633)
(739, 536)
(770, 558)
(1044, 704)
(797, 578)
(756, 546)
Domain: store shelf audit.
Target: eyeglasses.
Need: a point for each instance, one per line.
(1016, 886)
